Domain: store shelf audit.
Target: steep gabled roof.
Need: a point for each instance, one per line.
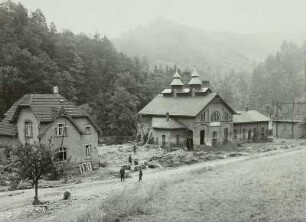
(45, 107)
(179, 106)
(249, 117)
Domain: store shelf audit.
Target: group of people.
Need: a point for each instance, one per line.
(122, 174)
(122, 170)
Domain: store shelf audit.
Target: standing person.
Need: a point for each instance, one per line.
(130, 158)
(122, 173)
(134, 148)
(140, 175)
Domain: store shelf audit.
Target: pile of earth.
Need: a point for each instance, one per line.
(181, 157)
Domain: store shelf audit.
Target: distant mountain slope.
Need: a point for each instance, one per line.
(164, 41)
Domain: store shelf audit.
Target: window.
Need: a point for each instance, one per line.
(88, 150)
(61, 154)
(244, 134)
(227, 116)
(28, 129)
(203, 117)
(177, 139)
(61, 130)
(215, 116)
(87, 129)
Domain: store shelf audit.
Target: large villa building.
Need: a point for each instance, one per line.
(194, 115)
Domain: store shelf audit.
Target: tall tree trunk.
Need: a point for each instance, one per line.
(36, 201)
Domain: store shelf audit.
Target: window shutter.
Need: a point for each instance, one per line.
(65, 130)
(55, 131)
(31, 130)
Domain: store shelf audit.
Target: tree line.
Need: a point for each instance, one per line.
(113, 87)
(89, 71)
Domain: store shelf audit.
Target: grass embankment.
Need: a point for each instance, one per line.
(133, 200)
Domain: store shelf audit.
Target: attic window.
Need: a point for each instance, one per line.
(61, 130)
(28, 129)
(203, 117)
(227, 116)
(87, 129)
(215, 116)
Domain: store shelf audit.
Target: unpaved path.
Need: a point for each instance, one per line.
(15, 202)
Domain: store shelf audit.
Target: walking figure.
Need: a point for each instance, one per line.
(122, 173)
(130, 159)
(134, 149)
(140, 175)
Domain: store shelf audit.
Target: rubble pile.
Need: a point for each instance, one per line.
(180, 157)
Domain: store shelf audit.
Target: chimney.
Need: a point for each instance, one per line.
(247, 107)
(205, 84)
(55, 89)
(167, 117)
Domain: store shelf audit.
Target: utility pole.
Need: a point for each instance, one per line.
(276, 116)
(292, 125)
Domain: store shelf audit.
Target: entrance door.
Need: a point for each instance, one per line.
(214, 138)
(163, 140)
(202, 137)
(225, 134)
(190, 140)
(249, 135)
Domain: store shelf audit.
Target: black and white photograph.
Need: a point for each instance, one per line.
(152, 110)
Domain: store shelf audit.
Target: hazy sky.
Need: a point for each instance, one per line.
(116, 16)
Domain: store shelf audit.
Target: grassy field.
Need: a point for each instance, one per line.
(271, 188)
(266, 189)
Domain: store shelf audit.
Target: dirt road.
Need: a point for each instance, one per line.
(228, 175)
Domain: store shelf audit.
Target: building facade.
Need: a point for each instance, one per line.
(188, 116)
(250, 125)
(290, 128)
(52, 120)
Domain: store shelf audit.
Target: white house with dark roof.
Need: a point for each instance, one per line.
(188, 115)
(53, 120)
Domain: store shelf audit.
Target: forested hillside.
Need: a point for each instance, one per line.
(111, 86)
(89, 71)
(166, 42)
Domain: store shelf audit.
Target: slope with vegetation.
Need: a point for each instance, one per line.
(89, 71)
(112, 87)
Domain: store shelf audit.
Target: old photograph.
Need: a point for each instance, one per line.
(152, 110)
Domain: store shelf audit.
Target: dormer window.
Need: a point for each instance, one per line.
(61, 130)
(87, 129)
(215, 116)
(28, 129)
